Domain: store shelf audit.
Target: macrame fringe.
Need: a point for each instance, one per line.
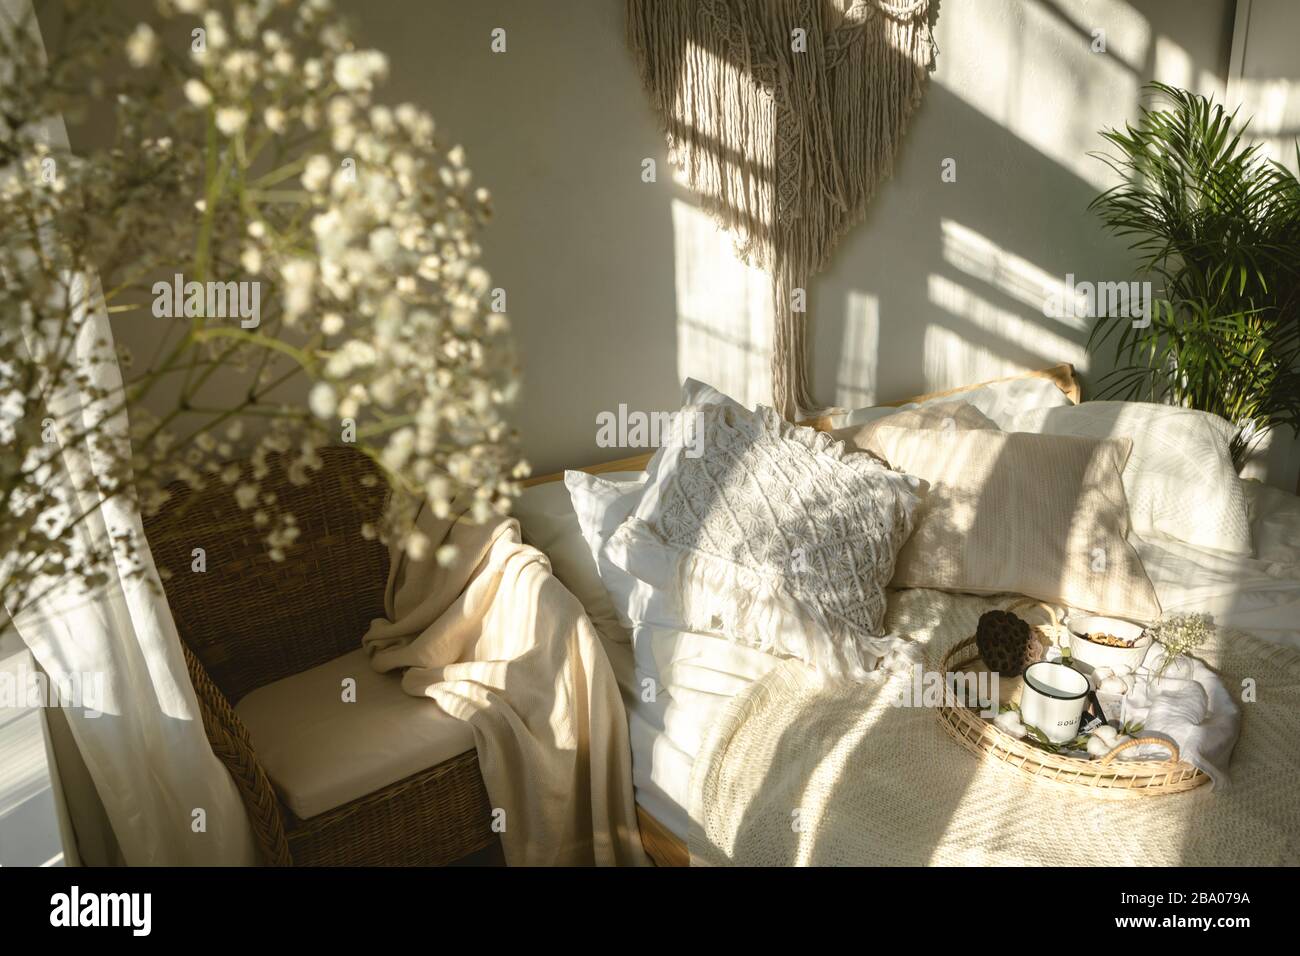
(784, 149)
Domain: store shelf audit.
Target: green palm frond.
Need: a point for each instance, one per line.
(1216, 229)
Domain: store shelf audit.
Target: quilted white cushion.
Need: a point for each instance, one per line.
(322, 752)
(1179, 479)
(773, 538)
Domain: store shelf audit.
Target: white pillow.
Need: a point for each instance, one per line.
(1003, 401)
(601, 503)
(774, 538)
(552, 524)
(998, 401)
(545, 514)
(1179, 479)
(695, 392)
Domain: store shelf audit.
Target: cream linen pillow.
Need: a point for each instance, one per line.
(1179, 479)
(1040, 515)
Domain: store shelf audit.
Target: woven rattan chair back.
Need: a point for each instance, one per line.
(252, 620)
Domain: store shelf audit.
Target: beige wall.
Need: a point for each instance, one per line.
(619, 288)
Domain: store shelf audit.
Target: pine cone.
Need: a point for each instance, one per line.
(1006, 643)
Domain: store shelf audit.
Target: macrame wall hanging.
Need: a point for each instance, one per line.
(784, 116)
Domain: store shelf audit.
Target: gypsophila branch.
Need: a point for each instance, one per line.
(261, 169)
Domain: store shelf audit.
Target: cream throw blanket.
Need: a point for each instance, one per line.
(802, 771)
(498, 642)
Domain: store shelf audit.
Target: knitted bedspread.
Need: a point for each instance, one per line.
(801, 770)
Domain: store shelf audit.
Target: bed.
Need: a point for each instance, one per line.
(1257, 592)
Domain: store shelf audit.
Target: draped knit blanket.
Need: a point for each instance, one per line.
(798, 770)
(784, 116)
(498, 642)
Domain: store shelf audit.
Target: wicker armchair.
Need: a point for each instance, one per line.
(249, 621)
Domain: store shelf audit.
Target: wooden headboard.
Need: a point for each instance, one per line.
(1062, 376)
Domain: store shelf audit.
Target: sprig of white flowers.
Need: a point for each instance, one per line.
(256, 155)
(1180, 634)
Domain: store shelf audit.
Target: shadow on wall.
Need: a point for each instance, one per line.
(936, 305)
(944, 283)
(958, 269)
(619, 289)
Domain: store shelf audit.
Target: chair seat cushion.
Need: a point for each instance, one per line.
(321, 751)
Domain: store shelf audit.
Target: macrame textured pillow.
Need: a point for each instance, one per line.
(772, 537)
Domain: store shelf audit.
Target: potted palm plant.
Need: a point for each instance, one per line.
(1217, 227)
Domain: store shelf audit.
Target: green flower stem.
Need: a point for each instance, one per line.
(304, 359)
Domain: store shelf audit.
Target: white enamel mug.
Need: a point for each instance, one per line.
(1053, 700)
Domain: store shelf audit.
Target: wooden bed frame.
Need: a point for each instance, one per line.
(661, 844)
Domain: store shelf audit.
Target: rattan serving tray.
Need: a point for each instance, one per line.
(1104, 778)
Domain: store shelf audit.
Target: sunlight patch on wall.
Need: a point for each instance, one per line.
(1273, 108)
(950, 361)
(993, 342)
(855, 381)
(981, 258)
(1127, 32)
(724, 310)
(1264, 76)
(1174, 66)
(1031, 70)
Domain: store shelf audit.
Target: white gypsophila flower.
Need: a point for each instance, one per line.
(417, 545)
(197, 93)
(246, 496)
(299, 276)
(316, 173)
(384, 245)
(276, 119)
(360, 69)
(246, 21)
(215, 28)
(322, 400)
(142, 46)
(231, 120)
(313, 71)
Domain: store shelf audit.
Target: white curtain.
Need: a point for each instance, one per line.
(168, 798)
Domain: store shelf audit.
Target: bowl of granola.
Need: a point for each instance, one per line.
(1107, 642)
